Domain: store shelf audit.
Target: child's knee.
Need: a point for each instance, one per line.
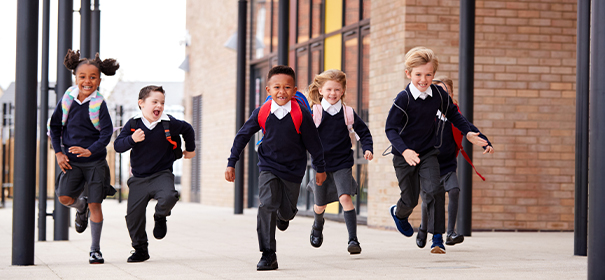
(66, 200)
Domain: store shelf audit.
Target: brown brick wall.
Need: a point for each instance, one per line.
(524, 101)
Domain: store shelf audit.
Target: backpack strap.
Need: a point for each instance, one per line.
(166, 125)
(317, 114)
(296, 114)
(263, 114)
(350, 120)
(133, 125)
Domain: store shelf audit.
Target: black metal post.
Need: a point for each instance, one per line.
(582, 83)
(466, 72)
(95, 31)
(240, 109)
(85, 29)
(283, 30)
(596, 211)
(43, 159)
(65, 38)
(121, 123)
(24, 189)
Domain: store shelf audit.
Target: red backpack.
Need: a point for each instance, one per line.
(458, 139)
(295, 113)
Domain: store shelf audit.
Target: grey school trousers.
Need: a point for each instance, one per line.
(278, 199)
(159, 186)
(411, 179)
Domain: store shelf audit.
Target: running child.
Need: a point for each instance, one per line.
(411, 128)
(154, 138)
(335, 122)
(289, 133)
(451, 143)
(80, 129)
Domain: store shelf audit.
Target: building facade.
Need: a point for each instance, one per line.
(524, 94)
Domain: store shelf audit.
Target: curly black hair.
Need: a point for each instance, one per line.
(72, 61)
(281, 69)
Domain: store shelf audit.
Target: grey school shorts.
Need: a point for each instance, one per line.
(337, 183)
(92, 178)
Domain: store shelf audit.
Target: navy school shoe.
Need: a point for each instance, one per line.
(354, 247)
(402, 224)
(268, 261)
(317, 236)
(437, 247)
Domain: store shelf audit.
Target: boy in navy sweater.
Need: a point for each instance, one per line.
(410, 127)
(153, 152)
(289, 132)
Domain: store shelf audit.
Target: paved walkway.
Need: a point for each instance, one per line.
(206, 242)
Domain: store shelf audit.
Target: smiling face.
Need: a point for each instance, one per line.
(421, 76)
(331, 91)
(152, 106)
(281, 88)
(88, 79)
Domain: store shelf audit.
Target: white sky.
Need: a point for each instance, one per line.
(145, 36)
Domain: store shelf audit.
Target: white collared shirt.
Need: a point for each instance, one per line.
(416, 93)
(151, 125)
(331, 109)
(280, 111)
(74, 93)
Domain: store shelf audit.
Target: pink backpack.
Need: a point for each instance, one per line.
(349, 117)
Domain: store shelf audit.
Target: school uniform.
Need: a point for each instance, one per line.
(79, 130)
(151, 161)
(415, 129)
(282, 163)
(338, 153)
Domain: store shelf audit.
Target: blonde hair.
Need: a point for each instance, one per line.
(319, 81)
(449, 83)
(419, 56)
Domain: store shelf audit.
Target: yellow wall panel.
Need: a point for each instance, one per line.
(333, 52)
(333, 15)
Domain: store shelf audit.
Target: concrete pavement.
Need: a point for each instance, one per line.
(205, 242)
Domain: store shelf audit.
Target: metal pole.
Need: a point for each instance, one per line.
(65, 38)
(466, 72)
(85, 29)
(43, 159)
(582, 83)
(596, 211)
(121, 120)
(283, 28)
(95, 32)
(240, 108)
(24, 189)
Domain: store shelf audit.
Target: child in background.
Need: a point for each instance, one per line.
(80, 129)
(447, 158)
(334, 121)
(154, 138)
(282, 158)
(411, 129)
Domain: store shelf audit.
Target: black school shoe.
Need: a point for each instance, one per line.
(140, 254)
(82, 220)
(282, 225)
(421, 237)
(268, 261)
(159, 230)
(354, 247)
(96, 257)
(318, 238)
(454, 238)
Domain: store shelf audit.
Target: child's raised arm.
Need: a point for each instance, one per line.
(242, 138)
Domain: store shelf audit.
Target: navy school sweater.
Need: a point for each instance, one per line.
(420, 130)
(336, 142)
(283, 150)
(153, 154)
(79, 131)
(449, 150)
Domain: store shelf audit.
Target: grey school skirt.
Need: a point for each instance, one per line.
(337, 183)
